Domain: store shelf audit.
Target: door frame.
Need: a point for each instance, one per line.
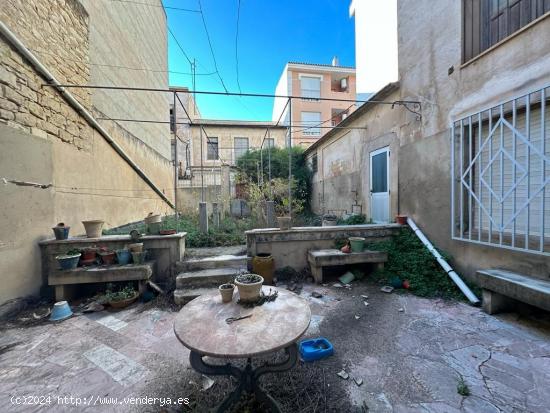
(371, 155)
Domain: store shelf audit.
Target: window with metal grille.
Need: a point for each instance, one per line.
(500, 170)
(487, 22)
(212, 149)
(314, 162)
(240, 147)
(172, 121)
(310, 87)
(310, 123)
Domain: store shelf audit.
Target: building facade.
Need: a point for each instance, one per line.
(116, 171)
(313, 112)
(471, 166)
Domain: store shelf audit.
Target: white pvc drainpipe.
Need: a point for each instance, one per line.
(450, 272)
(6, 32)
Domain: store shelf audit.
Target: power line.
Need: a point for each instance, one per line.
(325, 121)
(120, 66)
(237, 44)
(154, 5)
(178, 43)
(210, 45)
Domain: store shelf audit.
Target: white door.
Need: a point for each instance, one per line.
(380, 186)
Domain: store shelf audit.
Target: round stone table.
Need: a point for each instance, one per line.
(201, 326)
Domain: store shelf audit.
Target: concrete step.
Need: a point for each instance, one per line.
(183, 296)
(204, 278)
(215, 251)
(220, 261)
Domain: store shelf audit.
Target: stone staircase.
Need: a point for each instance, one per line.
(204, 269)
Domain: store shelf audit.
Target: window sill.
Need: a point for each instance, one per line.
(505, 40)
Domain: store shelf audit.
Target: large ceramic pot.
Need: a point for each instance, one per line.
(264, 265)
(249, 286)
(93, 228)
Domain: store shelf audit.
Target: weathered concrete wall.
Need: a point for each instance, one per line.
(131, 35)
(429, 45)
(343, 179)
(290, 248)
(55, 144)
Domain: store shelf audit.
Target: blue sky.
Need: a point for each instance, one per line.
(271, 33)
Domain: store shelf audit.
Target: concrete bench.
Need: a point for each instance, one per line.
(65, 280)
(502, 289)
(332, 257)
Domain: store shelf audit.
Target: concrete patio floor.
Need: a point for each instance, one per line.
(409, 352)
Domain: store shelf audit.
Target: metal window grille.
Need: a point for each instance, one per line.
(500, 167)
(241, 147)
(212, 149)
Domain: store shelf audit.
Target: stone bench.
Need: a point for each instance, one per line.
(65, 280)
(503, 289)
(332, 257)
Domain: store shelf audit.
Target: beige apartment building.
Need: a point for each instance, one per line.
(314, 113)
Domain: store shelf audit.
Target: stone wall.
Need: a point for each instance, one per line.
(44, 140)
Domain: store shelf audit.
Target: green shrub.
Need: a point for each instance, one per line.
(352, 220)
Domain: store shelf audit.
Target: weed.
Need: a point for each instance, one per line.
(462, 388)
(353, 220)
(409, 259)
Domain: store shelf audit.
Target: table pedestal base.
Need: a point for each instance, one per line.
(247, 377)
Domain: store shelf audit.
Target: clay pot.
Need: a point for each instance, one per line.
(264, 265)
(93, 228)
(226, 291)
(401, 219)
(249, 292)
(284, 223)
(88, 256)
(124, 303)
(107, 257)
(136, 247)
(61, 232)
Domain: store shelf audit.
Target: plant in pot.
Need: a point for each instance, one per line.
(121, 298)
(249, 287)
(226, 291)
(69, 260)
(89, 256)
(61, 231)
(107, 256)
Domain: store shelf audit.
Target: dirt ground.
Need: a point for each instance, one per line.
(411, 354)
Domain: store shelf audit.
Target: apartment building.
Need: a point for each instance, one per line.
(314, 113)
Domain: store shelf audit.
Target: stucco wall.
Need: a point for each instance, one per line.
(131, 35)
(429, 45)
(343, 179)
(44, 140)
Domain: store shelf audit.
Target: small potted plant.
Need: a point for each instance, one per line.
(249, 286)
(89, 256)
(122, 298)
(69, 260)
(226, 291)
(107, 256)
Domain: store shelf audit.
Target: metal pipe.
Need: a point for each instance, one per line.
(176, 171)
(290, 159)
(78, 107)
(450, 272)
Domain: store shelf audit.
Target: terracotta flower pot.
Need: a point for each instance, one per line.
(107, 257)
(249, 291)
(93, 228)
(226, 291)
(401, 219)
(124, 303)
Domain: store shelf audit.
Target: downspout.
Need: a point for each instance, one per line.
(45, 73)
(450, 272)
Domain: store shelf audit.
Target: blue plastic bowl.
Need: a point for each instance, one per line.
(60, 311)
(123, 256)
(68, 262)
(315, 349)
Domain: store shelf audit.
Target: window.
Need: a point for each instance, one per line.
(310, 123)
(487, 22)
(240, 147)
(314, 163)
(269, 143)
(212, 149)
(310, 87)
(172, 121)
(500, 169)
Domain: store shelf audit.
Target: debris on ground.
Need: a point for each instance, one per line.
(401, 310)
(39, 315)
(316, 294)
(358, 381)
(343, 374)
(386, 289)
(93, 307)
(366, 304)
(357, 317)
(347, 278)
(207, 382)
(337, 285)
(364, 296)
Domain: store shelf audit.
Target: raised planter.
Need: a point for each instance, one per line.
(249, 286)
(93, 228)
